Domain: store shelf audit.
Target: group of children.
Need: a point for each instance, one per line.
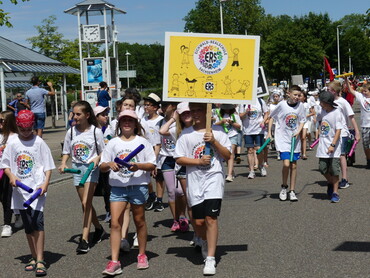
(179, 152)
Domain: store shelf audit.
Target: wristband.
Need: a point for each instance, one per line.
(332, 145)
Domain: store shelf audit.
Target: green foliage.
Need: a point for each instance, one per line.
(4, 16)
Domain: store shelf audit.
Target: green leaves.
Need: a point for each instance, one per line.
(4, 16)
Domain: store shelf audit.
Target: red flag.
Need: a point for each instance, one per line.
(328, 69)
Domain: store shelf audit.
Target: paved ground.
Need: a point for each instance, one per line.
(260, 236)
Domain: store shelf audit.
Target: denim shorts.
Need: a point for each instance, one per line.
(254, 140)
(33, 220)
(286, 155)
(234, 140)
(168, 164)
(344, 147)
(133, 194)
(39, 121)
(93, 177)
(181, 173)
(240, 139)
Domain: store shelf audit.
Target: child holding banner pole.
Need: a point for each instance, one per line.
(128, 185)
(84, 143)
(290, 118)
(205, 176)
(27, 158)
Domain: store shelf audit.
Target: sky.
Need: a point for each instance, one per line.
(147, 21)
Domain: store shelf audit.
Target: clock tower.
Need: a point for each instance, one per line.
(104, 32)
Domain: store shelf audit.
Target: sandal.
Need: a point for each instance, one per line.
(41, 271)
(31, 265)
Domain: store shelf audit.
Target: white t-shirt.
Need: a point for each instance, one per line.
(231, 130)
(347, 111)
(252, 120)
(140, 111)
(28, 161)
(288, 120)
(83, 148)
(108, 133)
(307, 106)
(330, 122)
(151, 128)
(119, 148)
(3, 146)
(203, 182)
(365, 109)
(168, 142)
(113, 125)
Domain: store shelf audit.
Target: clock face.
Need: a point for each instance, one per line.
(91, 33)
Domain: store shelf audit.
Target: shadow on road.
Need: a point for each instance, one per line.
(354, 246)
(50, 258)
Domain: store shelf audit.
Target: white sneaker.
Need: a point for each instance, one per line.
(283, 193)
(292, 196)
(136, 242)
(204, 249)
(7, 231)
(18, 221)
(107, 217)
(209, 266)
(125, 245)
(263, 171)
(229, 179)
(251, 175)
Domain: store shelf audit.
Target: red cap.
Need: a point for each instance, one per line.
(25, 118)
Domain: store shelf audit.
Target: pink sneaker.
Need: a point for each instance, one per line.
(142, 261)
(112, 268)
(184, 225)
(175, 226)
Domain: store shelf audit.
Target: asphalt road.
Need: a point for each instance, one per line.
(260, 236)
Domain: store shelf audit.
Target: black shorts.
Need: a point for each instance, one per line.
(33, 220)
(210, 207)
(159, 177)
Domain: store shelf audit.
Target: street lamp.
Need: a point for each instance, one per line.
(338, 48)
(128, 78)
(221, 17)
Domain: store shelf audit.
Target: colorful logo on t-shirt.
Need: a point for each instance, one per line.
(198, 152)
(291, 121)
(253, 114)
(2, 148)
(124, 172)
(324, 129)
(81, 151)
(367, 106)
(25, 164)
(169, 144)
(210, 57)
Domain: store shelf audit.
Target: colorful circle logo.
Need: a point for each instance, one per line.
(252, 114)
(367, 106)
(324, 129)
(24, 164)
(81, 152)
(291, 121)
(210, 57)
(123, 170)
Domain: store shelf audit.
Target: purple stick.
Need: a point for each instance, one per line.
(353, 148)
(23, 186)
(126, 160)
(35, 195)
(314, 143)
(1, 173)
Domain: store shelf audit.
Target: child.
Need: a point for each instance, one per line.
(364, 99)
(335, 88)
(306, 131)
(8, 131)
(28, 159)
(230, 121)
(150, 124)
(290, 117)
(128, 185)
(84, 142)
(329, 148)
(205, 178)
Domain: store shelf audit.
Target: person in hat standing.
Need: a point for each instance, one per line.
(329, 148)
(27, 158)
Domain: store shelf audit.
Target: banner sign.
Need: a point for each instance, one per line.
(262, 89)
(211, 68)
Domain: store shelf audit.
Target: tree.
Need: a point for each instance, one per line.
(239, 16)
(4, 16)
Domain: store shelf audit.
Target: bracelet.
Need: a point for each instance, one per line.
(332, 145)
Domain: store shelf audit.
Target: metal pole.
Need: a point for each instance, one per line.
(339, 72)
(81, 61)
(349, 60)
(221, 17)
(128, 78)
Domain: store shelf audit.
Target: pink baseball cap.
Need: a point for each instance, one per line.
(99, 109)
(25, 118)
(183, 107)
(128, 113)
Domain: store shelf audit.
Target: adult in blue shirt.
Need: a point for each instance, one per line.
(103, 95)
(35, 98)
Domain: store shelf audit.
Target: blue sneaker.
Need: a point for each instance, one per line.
(335, 198)
(343, 184)
(330, 189)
